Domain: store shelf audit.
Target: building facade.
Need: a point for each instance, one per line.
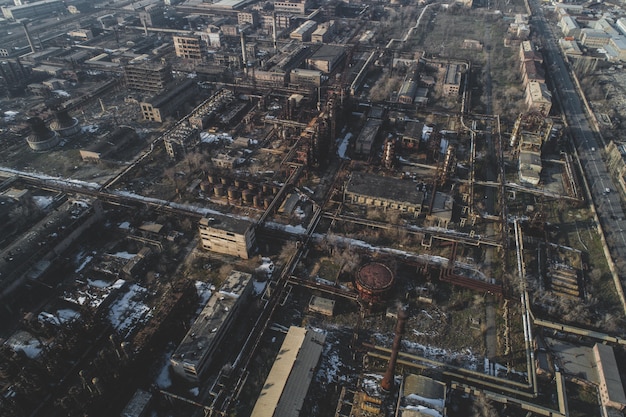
(228, 235)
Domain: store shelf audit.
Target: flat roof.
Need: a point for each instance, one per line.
(611, 377)
(286, 385)
(328, 53)
(385, 187)
(226, 223)
(199, 338)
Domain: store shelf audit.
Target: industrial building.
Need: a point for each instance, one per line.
(108, 146)
(305, 78)
(194, 354)
(303, 32)
(148, 77)
(287, 384)
(610, 386)
(452, 79)
(384, 192)
(228, 235)
(326, 58)
(189, 46)
(168, 103)
(366, 138)
(34, 9)
(295, 6)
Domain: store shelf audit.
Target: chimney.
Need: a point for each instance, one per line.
(387, 383)
(243, 52)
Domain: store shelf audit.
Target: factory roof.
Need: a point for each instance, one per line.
(385, 187)
(226, 223)
(614, 387)
(199, 339)
(328, 52)
(306, 26)
(288, 381)
(168, 95)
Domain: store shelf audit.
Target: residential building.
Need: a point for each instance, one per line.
(195, 353)
(532, 71)
(384, 192)
(228, 235)
(569, 26)
(538, 97)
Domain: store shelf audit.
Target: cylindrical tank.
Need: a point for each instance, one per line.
(218, 189)
(257, 200)
(213, 179)
(266, 202)
(238, 183)
(373, 281)
(233, 193)
(266, 188)
(275, 189)
(251, 186)
(206, 187)
(247, 196)
(224, 180)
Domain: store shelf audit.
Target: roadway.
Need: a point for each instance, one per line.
(603, 191)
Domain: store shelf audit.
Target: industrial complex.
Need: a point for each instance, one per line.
(312, 208)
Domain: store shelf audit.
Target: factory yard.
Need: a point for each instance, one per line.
(338, 209)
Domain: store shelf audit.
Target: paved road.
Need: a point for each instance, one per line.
(604, 192)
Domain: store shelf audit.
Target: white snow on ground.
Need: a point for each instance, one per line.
(9, 115)
(61, 93)
(92, 295)
(215, 137)
(63, 181)
(267, 267)
(195, 391)
(124, 225)
(343, 146)
(124, 255)
(164, 379)
(129, 310)
(98, 283)
(433, 402)
(31, 347)
(42, 201)
(89, 129)
(62, 316)
(84, 263)
(258, 287)
(204, 292)
(424, 410)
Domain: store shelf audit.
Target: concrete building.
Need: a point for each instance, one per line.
(324, 32)
(528, 53)
(109, 145)
(322, 305)
(610, 386)
(248, 18)
(617, 48)
(189, 46)
(384, 192)
(303, 32)
(530, 167)
(594, 38)
(289, 379)
(569, 26)
(621, 25)
(538, 97)
(148, 77)
(196, 352)
(407, 92)
(452, 79)
(228, 235)
(159, 107)
(366, 138)
(326, 58)
(305, 78)
(33, 10)
(295, 7)
(177, 141)
(616, 162)
(532, 71)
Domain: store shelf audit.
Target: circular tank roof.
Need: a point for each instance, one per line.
(375, 277)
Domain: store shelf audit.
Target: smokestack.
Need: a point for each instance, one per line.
(274, 31)
(244, 54)
(30, 40)
(388, 380)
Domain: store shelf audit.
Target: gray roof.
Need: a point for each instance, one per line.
(226, 223)
(385, 188)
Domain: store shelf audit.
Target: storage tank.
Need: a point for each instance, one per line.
(218, 189)
(373, 281)
(206, 187)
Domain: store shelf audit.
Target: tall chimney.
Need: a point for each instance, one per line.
(244, 54)
(274, 31)
(30, 40)
(387, 383)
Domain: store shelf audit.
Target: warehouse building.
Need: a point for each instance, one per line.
(326, 58)
(610, 386)
(384, 192)
(159, 107)
(289, 379)
(33, 10)
(303, 32)
(195, 353)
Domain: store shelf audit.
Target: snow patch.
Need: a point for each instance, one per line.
(129, 310)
